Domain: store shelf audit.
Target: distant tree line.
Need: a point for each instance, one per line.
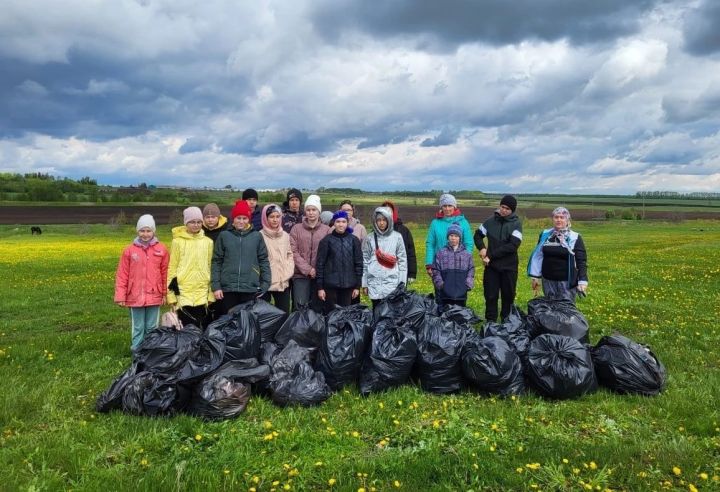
(695, 195)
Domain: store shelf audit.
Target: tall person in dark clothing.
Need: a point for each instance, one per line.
(407, 240)
(339, 265)
(251, 196)
(504, 234)
(292, 209)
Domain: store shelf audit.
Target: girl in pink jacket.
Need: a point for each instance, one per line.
(141, 279)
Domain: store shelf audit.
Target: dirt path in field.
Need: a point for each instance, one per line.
(101, 214)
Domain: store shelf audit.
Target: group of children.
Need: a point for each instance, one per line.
(287, 253)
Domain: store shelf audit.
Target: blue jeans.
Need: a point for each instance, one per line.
(144, 320)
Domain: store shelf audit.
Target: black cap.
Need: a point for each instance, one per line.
(509, 201)
(294, 193)
(250, 193)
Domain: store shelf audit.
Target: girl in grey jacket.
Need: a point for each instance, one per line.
(384, 258)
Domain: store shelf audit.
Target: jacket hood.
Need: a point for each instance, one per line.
(264, 219)
(181, 232)
(393, 207)
(387, 213)
(244, 232)
(441, 215)
(510, 218)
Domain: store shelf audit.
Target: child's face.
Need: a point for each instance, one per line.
(294, 204)
(348, 209)
(241, 222)
(145, 234)
(211, 221)
(341, 225)
(194, 226)
(312, 213)
(274, 219)
(252, 202)
(381, 222)
(454, 240)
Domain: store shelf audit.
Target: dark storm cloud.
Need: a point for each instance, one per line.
(448, 135)
(496, 22)
(702, 29)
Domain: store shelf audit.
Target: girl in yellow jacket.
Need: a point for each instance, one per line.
(189, 270)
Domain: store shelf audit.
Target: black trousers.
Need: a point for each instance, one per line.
(341, 297)
(281, 299)
(232, 299)
(498, 284)
(304, 292)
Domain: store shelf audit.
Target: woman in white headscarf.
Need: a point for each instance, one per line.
(559, 260)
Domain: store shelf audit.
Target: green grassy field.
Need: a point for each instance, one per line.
(62, 341)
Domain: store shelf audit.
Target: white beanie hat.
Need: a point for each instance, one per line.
(448, 199)
(145, 221)
(192, 213)
(313, 201)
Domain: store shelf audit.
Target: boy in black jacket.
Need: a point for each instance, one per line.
(339, 266)
(504, 233)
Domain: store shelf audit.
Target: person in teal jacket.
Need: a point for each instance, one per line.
(240, 269)
(448, 214)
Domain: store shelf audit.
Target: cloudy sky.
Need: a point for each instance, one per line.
(602, 96)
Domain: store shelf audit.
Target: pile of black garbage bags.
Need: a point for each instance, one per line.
(301, 359)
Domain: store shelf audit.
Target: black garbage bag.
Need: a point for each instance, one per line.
(305, 326)
(208, 356)
(463, 316)
(226, 392)
(164, 350)
(560, 367)
(391, 356)
(491, 365)
(242, 335)
(303, 386)
(431, 306)
(111, 398)
(347, 335)
(557, 317)
(269, 317)
(402, 304)
(152, 394)
(284, 362)
(627, 367)
(440, 343)
(268, 351)
(514, 330)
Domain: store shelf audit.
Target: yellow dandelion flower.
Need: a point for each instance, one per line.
(494, 427)
(475, 466)
(252, 489)
(198, 437)
(436, 424)
(381, 405)
(332, 482)
(268, 437)
(256, 479)
(677, 471)
(704, 476)
(267, 424)
(593, 465)
(143, 462)
(692, 488)
(397, 484)
(361, 489)
(318, 463)
(355, 434)
(286, 486)
(519, 469)
(396, 422)
(226, 472)
(276, 483)
(565, 460)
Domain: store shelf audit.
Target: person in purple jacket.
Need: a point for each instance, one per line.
(453, 272)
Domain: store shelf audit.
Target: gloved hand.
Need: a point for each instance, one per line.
(410, 280)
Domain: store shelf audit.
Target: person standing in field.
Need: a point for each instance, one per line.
(504, 234)
(358, 230)
(407, 240)
(141, 280)
(559, 261)
(250, 195)
(292, 209)
(384, 258)
(240, 266)
(448, 214)
(213, 221)
(280, 255)
(305, 238)
(339, 264)
(453, 272)
(189, 270)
